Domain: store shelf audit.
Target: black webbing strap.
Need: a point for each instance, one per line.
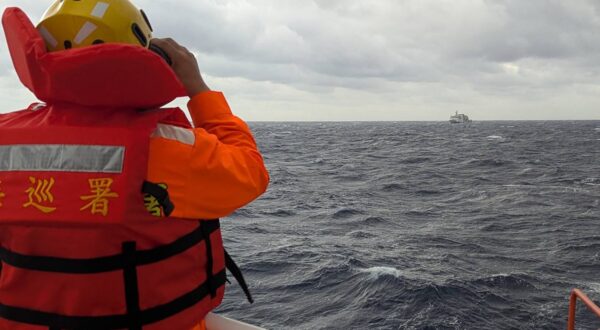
(161, 194)
(237, 274)
(207, 228)
(127, 262)
(130, 279)
(109, 322)
(103, 264)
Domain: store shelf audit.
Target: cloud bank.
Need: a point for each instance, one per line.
(383, 59)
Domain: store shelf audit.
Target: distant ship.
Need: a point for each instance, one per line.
(459, 118)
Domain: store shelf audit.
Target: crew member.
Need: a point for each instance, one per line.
(207, 171)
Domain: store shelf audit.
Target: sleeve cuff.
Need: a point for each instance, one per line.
(206, 106)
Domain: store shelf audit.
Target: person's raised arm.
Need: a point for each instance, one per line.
(226, 170)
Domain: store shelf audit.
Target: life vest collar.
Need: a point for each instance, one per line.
(107, 75)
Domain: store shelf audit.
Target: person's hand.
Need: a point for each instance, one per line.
(184, 65)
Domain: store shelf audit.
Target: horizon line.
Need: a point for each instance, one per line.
(415, 121)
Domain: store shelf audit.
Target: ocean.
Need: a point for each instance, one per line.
(420, 225)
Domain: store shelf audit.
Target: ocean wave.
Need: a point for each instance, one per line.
(360, 234)
(507, 281)
(594, 287)
(427, 192)
(542, 188)
(428, 212)
(347, 213)
(243, 213)
(525, 171)
(576, 247)
(420, 226)
(391, 187)
(488, 162)
(279, 213)
(375, 221)
(591, 181)
(378, 272)
(442, 242)
(415, 160)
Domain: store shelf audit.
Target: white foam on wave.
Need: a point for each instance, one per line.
(376, 272)
(526, 170)
(591, 181)
(563, 188)
(594, 286)
(495, 137)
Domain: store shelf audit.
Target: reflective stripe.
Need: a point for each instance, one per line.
(177, 133)
(62, 158)
(100, 9)
(85, 32)
(48, 36)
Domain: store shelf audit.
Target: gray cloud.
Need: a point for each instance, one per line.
(399, 41)
(449, 53)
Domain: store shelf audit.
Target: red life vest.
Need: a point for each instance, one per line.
(77, 246)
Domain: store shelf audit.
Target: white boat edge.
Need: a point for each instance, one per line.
(217, 322)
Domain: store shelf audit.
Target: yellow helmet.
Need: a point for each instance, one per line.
(79, 23)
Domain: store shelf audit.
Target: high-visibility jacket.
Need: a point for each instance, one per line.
(211, 170)
(79, 248)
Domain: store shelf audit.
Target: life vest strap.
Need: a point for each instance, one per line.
(109, 263)
(130, 279)
(212, 283)
(237, 274)
(122, 321)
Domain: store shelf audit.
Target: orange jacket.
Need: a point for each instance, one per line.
(212, 170)
(201, 326)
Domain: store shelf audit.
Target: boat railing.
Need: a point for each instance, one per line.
(578, 294)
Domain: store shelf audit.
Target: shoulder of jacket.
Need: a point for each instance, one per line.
(175, 133)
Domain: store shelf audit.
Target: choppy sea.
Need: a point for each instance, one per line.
(420, 226)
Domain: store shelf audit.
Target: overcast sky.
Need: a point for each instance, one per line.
(380, 59)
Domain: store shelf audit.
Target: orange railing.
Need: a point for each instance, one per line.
(577, 294)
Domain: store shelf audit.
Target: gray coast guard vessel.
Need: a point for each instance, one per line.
(459, 118)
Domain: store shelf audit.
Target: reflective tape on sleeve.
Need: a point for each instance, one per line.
(62, 158)
(176, 133)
